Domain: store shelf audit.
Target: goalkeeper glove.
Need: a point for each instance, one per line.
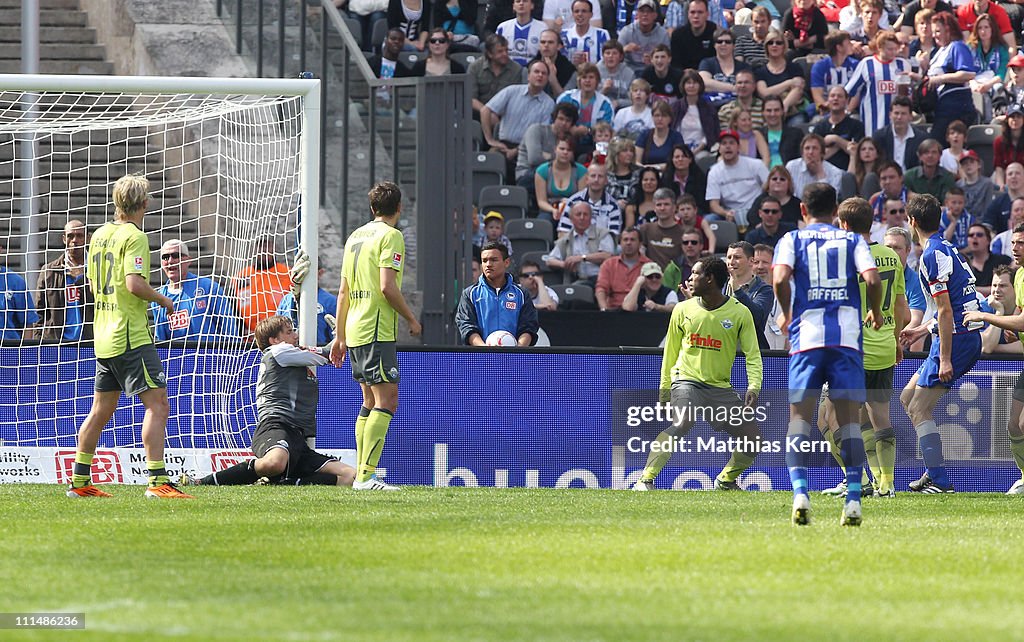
(300, 268)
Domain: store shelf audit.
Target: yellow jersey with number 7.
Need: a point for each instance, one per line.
(371, 318)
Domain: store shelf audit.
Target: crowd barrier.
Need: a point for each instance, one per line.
(533, 418)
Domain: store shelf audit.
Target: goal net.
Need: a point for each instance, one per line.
(231, 165)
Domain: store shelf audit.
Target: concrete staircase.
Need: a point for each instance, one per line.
(67, 45)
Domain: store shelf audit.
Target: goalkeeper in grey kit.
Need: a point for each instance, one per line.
(287, 394)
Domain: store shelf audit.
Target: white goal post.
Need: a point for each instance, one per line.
(232, 162)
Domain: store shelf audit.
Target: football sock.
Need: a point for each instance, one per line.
(1017, 448)
(374, 431)
(885, 450)
(657, 460)
(157, 472)
(867, 434)
(316, 479)
(930, 441)
(738, 462)
(241, 474)
(798, 434)
(851, 447)
(364, 412)
(81, 473)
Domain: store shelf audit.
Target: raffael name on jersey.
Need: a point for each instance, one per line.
(697, 341)
(827, 294)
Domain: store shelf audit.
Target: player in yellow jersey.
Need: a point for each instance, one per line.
(700, 348)
(882, 352)
(1015, 323)
(369, 303)
(126, 360)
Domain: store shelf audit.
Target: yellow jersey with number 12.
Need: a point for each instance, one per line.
(371, 318)
(120, 322)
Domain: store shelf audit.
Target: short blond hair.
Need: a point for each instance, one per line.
(130, 194)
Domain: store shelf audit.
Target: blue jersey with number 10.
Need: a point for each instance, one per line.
(826, 293)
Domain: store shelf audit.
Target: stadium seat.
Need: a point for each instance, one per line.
(725, 233)
(380, 31)
(574, 295)
(529, 235)
(467, 58)
(981, 138)
(488, 169)
(410, 58)
(510, 200)
(534, 257)
(356, 29)
(477, 132)
(705, 162)
(870, 186)
(848, 186)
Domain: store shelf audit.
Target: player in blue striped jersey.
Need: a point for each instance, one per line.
(522, 32)
(947, 277)
(873, 85)
(824, 326)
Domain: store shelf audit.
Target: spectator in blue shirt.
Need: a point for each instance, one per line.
(17, 309)
(496, 302)
(201, 308)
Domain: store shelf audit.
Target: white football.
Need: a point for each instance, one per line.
(500, 338)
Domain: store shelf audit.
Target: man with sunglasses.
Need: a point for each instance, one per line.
(982, 261)
(201, 308)
(771, 228)
(649, 292)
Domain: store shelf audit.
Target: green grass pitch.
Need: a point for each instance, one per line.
(259, 563)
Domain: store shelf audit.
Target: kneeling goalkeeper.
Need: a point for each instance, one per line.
(700, 348)
(287, 393)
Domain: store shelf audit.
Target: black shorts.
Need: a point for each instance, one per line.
(302, 460)
(133, 372)
(1018, 388)
(878, 385)
(374, 363)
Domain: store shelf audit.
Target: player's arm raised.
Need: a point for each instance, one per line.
(141, 288)
(340, 316)
(389, 288)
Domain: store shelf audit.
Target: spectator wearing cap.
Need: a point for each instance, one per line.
(771, 228)
(811, 166)
(620, 272)
(1015, 72)
(1008, 147)
(605, 209)
(735, 181)
(649, 293)
(640, 37)
(493, 231)
(978, 190)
